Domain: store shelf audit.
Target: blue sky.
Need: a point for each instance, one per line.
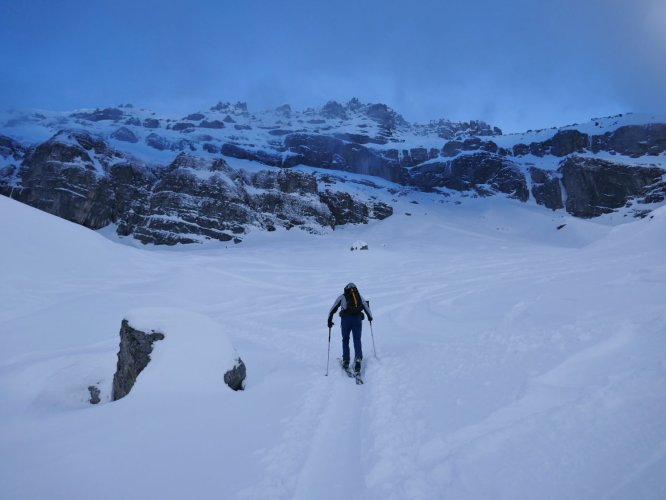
(516, 64)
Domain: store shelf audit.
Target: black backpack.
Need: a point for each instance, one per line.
(353, 298)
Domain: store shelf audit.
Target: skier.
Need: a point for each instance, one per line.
(351, 321)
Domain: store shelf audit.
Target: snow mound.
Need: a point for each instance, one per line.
(192, 358)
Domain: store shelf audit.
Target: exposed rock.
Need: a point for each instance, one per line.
(446, 129)
(453, 148)
(419, 155)
(210, 148)
(546, 188)
(183, 126)
(8, 171)
(132, 188)
(133, 121)
(9, 148)
(158, 142)
(595, 187)
(333, 110)
(521, 150)
(216, 124)
(194, 117)
(235, 378)
(566, 142)
(331, 153)
(94, 395)
(151, 123)
(182, 205)
(360, 138)
(78, 176)
(345, 208)
(239, 152)
(61, 178)
(380, 210)
(478, 171)
(284, 110)
(384, 116)
(133, 357)
(162, 144)
(125, 134)
(633, 140)
(280, 132)
(286, 181)
(100, 114)
(538, 149)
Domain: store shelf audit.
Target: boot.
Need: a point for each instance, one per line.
(357, 365)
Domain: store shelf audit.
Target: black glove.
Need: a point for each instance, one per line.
(369, 318)
(330, 323)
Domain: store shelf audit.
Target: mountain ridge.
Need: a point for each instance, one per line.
(216, 174)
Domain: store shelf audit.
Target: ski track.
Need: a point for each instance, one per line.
(323, 436)
(385, 433)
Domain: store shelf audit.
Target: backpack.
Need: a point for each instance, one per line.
(353, 298)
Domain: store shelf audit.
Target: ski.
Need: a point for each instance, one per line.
(347, 370)
(351, 374)
(359, 380)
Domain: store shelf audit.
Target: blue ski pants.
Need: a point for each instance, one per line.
(351, 324)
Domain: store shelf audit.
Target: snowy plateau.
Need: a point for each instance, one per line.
(518, 351)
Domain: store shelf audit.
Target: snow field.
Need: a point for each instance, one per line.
(514, 361)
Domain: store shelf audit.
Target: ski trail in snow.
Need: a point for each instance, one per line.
(393, 431)
(318, 447)
(334, 449)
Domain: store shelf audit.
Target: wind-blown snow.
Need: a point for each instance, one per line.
(515, 360)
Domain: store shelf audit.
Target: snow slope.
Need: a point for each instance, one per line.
(515, 361)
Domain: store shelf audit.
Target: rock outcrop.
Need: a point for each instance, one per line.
(81, 178)
(235, 377)
(633, 140)
(192, 194)
(484, 173)
(546, 188)
(330, 153)
(133, 357)
(595, 187)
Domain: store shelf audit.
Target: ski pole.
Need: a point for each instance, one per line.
(372, 334)
(373, 340)
(328, 356)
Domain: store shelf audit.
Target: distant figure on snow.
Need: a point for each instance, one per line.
(351, 321)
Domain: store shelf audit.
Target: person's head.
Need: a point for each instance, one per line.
(350, 286)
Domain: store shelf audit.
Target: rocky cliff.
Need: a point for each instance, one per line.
(217, 174)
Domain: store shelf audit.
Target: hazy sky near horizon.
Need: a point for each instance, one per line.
(517, 64)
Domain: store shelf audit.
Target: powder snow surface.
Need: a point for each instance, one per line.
(514, 361)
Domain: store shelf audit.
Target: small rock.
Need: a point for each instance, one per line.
(94, 394)
(359, 245)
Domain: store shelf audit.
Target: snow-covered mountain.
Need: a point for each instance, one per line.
(221, 173)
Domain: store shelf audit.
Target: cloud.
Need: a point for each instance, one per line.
(519, 64)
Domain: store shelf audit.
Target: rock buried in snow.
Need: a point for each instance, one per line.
(133, 357)
(195, 352)
(359, 245)
(94, 395)
(235, 377)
